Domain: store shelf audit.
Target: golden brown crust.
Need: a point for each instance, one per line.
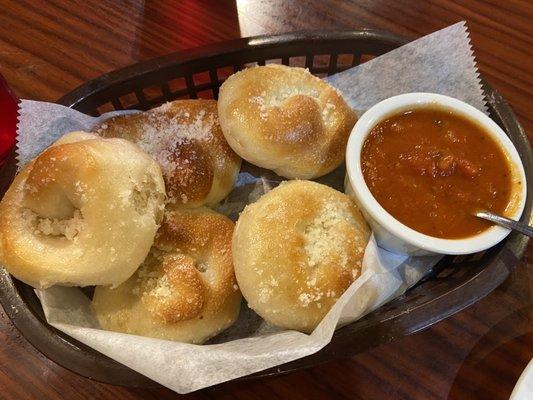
(296, 250)
(286, 120)
(84, 212)
(184, 136)
(186, 289)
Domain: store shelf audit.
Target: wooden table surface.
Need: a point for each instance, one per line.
(47, 48)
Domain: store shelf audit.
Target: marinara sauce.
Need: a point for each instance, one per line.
(431, 169)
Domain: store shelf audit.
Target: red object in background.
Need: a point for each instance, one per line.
(8, 119)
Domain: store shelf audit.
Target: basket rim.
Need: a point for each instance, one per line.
(73, 355)
(228, 47)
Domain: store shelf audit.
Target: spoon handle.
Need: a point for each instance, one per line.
(506, 222)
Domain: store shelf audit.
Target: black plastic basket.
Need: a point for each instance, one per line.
(457, 282)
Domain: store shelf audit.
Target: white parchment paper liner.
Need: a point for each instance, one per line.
(441, 63)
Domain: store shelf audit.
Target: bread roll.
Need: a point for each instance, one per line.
(84, 212)
(185, 290)
(296, 250)
(286, 120)
(184, 136)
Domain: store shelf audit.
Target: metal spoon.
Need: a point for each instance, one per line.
(521, 227)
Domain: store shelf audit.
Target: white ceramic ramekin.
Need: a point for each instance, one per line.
(392, 234)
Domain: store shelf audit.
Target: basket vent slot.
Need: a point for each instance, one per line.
(106, 107)
(224, 73)
(129, 100)
(153, 94)
(177, 85)
(366, 57)
(298, 61)
(345, 61)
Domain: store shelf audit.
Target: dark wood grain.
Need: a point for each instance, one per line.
(47, 48)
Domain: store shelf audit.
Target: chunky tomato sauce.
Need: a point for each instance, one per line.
(431, 169)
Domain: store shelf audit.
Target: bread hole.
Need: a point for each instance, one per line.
(140, 198)
(146, 198)
(68, 228)
(201, 266)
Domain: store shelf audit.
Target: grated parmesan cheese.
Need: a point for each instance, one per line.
(320, 238)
